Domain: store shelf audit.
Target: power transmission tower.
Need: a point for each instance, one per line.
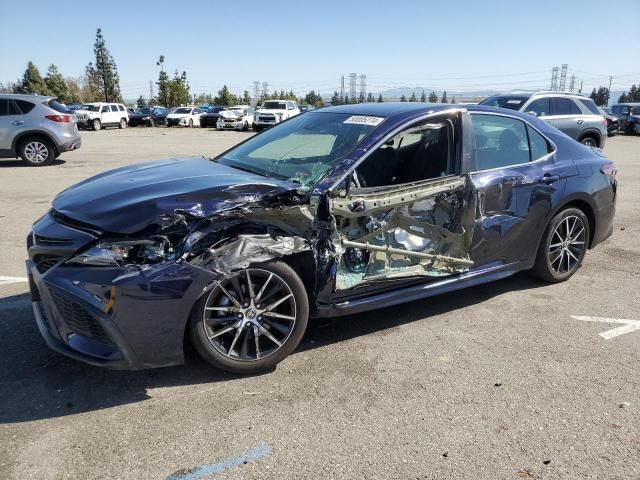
(150, 91)
(256, 89)
(342, 87)
(554, 79)
(572, 82)
(363, 85)
(563, 77)
(353, 77)
(609, 90)
(265, 89)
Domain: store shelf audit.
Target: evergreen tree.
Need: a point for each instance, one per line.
(433, 98)
(163, 81)
(106, 69)
(623, 98)
(380, 100)
(593, 95)
(413, 97)
(343, 99)
(453, 99)
(32, 81)
(602, 96)
(361, 97)
(370, 98)
(246, 98)
(313, 98)
(178, 90)
(56, 84)
(444, 97)
(335, 98)
(634, 94)
(141, 102)
(423, 97)
(91, 85)
(224, 97)
(403, 98)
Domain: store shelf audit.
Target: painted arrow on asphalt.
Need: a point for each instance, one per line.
(9, 280)
(628, 325)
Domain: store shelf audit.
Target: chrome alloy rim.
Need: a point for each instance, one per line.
(568, 242)
(36, 152)
(589, 142)
(249, 315)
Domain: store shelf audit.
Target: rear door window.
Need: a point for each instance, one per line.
(114, 108)
(121, 108)
(4, 107)
(500, 141)
(540, 107)
(24, 106)
(105, 109)
(564, 106)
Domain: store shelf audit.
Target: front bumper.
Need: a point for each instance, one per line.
(223, 125)
(120, 318)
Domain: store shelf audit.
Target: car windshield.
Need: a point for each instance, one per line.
(512, 102)
(182, 110)
(91, 108)
(274, 105)
(302, 149)
(144, 110)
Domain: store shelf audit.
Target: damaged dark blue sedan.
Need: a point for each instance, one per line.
(340, 210)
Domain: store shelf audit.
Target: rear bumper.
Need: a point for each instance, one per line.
(70, 145)
(604, 223)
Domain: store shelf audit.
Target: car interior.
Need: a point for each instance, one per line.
(419, 153)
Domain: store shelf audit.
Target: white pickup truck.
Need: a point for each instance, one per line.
(273, 112)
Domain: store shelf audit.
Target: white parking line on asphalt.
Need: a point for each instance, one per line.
(9, 280)
(629, 325)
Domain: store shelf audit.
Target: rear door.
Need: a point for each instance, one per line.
(518, 180)
(566, 116)
(12, 122)
(622, 112)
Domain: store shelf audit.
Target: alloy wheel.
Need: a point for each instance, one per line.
(589, 142)
(249, 315)
(567, 246)
(36, 152)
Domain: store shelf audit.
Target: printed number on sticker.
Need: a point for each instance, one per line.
(364, 120)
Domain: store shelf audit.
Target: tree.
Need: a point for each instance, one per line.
(56, 85)
(163, 80)
(313, 98)
(602, 96)
(403, 98)
(224, 97)
(623, 98)
(634, 94)
(8, 88)
(423, 97)
(335, 98)
(91, 85)
(444, 97)
(246, 98)
(106, 69)
(74, 91)
(433, 98)
(453, 99)
(178, 90)
(593, 94)
(361, 97)
(380, 100)
(32, 81)
(413, 97)
(370, 98)
(141, 102)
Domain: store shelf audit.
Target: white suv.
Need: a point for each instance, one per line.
(273, 112)
(98, 115)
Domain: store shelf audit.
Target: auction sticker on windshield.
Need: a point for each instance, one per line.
(364, 120)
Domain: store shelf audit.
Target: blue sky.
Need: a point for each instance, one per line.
(453, 45)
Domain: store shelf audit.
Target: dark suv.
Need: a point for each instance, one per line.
(628, 115)
(571, 113)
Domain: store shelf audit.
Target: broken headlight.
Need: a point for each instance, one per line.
(124, 252)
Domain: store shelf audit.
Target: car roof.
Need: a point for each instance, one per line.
(631, 104)
(27, 96)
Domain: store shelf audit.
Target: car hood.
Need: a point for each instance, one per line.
(128, 199)
(261, 112)
(230, 114)
(140, 115)
(178, 115)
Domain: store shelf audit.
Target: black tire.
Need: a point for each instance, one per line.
(37, 151)
(96, 124)
(548, 269)
(280, 274)
(245, 127)
(123, 123)
(257, 128)
(191, 123)
(152, 122)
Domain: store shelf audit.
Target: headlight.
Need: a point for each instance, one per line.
(120, 253)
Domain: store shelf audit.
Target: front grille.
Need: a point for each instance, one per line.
(46, 262)
(267, 118)
(78, 319)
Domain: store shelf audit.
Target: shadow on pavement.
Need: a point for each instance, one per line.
(36, 383)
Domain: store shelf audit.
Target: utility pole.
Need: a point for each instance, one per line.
(580, 91)
(256, 90)
(563, 77)
(342, 87)
(609, 90)
(150, 92)
(572, 82)
(554, 79)
(352, 84)
(265, 89)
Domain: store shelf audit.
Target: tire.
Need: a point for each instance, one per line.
(191, 123)
(589, 141)
(257, 128)
(245, 127)
(560, 255)
(247, 340)
(123, 123)
(96, 124)
(152, 122)
(37, 151)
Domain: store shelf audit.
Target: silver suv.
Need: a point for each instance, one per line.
(572, 113)
(36, 129)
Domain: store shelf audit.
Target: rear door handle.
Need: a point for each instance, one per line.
(580, 122)
(18, 122)
(548, 179)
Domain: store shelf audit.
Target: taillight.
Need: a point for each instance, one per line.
(609, 169)
(59, 118)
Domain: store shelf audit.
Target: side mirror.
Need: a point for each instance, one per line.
(531, 112)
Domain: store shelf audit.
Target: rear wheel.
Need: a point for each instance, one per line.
(191, 122)
(123, 123)
(563, 246)
(251, 319)
(589, 141)
(152, 122)
(96, 125)
(245, 127)
(37, 152)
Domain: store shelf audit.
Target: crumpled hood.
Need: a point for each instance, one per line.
(178, 115)
(230, 114)
(128, 199)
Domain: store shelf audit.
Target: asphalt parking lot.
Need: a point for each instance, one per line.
(498, 381)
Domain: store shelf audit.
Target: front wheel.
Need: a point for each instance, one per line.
(96, 125)
(190, 122)
(251, 319)
(563, 246)
(123, 123)
(152, 122)
(37, 152)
